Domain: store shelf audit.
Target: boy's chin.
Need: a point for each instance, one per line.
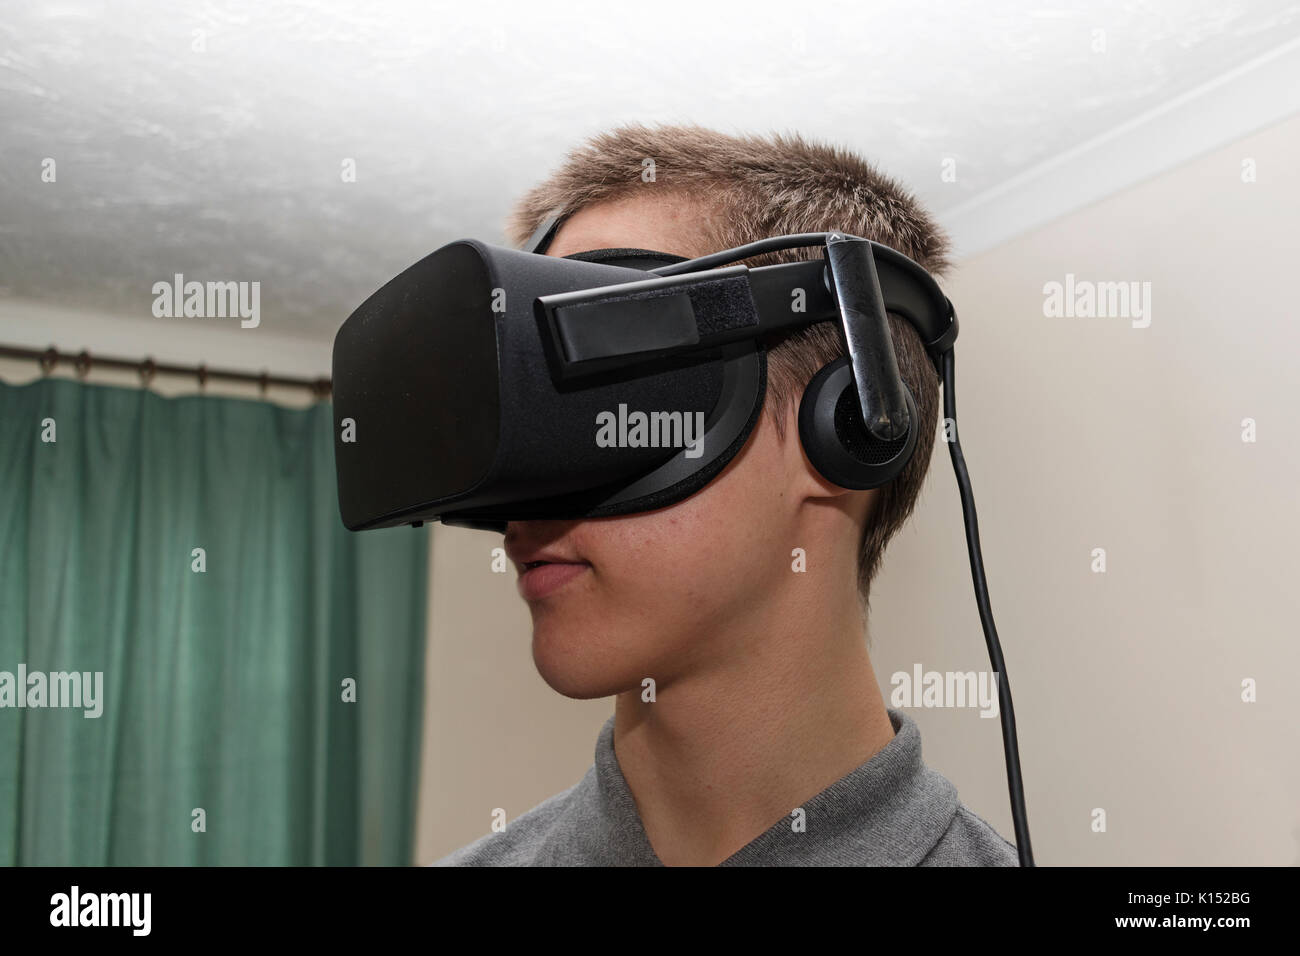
(584, 672)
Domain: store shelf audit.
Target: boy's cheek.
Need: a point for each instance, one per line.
(703, 553)
(646, 568)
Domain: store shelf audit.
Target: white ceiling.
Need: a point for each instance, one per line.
(207, 139)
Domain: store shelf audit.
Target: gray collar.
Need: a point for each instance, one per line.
(891, 811)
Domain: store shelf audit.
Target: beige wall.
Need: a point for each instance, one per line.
(1080, 434)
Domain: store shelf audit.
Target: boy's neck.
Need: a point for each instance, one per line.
(726, 752)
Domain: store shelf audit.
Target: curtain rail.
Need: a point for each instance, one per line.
(83, 362)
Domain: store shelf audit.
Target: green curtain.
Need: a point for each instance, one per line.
(223, 689)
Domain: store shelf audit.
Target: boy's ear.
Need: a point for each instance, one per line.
(805, 481)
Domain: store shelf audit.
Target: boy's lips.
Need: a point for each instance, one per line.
(544, 569)
(540, 578)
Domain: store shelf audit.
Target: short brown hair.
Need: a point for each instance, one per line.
(754, 187)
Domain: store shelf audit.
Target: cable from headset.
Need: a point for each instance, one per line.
(727, 256)
(1005, 710)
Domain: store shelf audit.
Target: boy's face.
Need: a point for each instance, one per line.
(674, 592)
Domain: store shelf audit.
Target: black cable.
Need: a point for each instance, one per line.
(1006, 712)
(728, 256)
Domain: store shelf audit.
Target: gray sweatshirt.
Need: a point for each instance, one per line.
(891, 811)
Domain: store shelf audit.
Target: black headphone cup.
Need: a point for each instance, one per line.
(833, 436)
(861, 444)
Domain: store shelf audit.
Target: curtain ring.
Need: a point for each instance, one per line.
(147, 370)
(263, 381)
(321, 388)
(203, 377)
(49, 358)
(83, 364)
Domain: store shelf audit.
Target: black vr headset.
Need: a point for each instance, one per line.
(485, 385)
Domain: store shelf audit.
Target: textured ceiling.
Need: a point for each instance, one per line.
(208, 139)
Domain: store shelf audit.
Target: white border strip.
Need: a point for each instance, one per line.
(1241, 101)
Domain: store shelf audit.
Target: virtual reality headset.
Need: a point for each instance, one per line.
(485, 385)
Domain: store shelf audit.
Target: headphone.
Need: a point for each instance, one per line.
(836, 440)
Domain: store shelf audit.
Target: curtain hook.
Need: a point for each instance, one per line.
(83, 364)
(147, 370)
(203, 377)
(263, 382)
(49, 359)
